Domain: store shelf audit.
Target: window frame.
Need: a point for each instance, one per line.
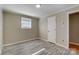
(27, 19)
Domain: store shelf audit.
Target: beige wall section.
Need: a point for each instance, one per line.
(13, 32)
(1, 30)
(74, 27)
(43, 28)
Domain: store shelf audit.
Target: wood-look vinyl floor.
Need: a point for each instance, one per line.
(30, 47)
(74, 47)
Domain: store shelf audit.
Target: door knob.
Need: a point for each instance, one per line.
(48, 31)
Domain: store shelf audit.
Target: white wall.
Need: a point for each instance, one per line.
(63, 26)
(43, 28)
(62, 29)
(1, 30)
(62, 22)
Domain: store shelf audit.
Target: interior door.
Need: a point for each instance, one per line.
(52, 29)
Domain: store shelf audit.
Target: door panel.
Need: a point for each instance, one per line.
(52, 29)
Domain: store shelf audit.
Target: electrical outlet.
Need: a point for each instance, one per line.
(63, 40)
(63, 22)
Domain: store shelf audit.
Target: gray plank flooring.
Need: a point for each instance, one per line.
(30, 47)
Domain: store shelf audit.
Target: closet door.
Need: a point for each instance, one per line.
(52, 29)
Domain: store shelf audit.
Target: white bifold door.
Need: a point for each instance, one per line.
(52, 29)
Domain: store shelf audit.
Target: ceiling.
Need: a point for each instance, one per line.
(30, 9)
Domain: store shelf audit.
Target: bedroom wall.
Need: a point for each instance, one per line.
(62, 26)
(62, 29)
(74, 27)
(1, 30)
(12, 29)
(43, 28)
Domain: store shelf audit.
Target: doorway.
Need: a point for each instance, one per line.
(52, 29)
(74, 31)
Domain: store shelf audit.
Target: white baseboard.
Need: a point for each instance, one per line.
(55, 43)
(44, 39)
(62, 45)
(19, 42)
(32, 39)
(74, 43)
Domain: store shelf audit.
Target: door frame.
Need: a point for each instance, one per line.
(1, 29)
(68, 13)
(56, 27)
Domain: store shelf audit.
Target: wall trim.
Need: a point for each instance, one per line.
(63, 10)
(43, 39)
(5, 45)
(74, 43)
(1, 30)
(54, 43)
(62, 45)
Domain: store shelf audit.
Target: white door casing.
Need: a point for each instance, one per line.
(1, 30)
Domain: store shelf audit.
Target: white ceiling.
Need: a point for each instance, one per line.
(30, 9)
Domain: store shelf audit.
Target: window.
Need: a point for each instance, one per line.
(26, 23)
